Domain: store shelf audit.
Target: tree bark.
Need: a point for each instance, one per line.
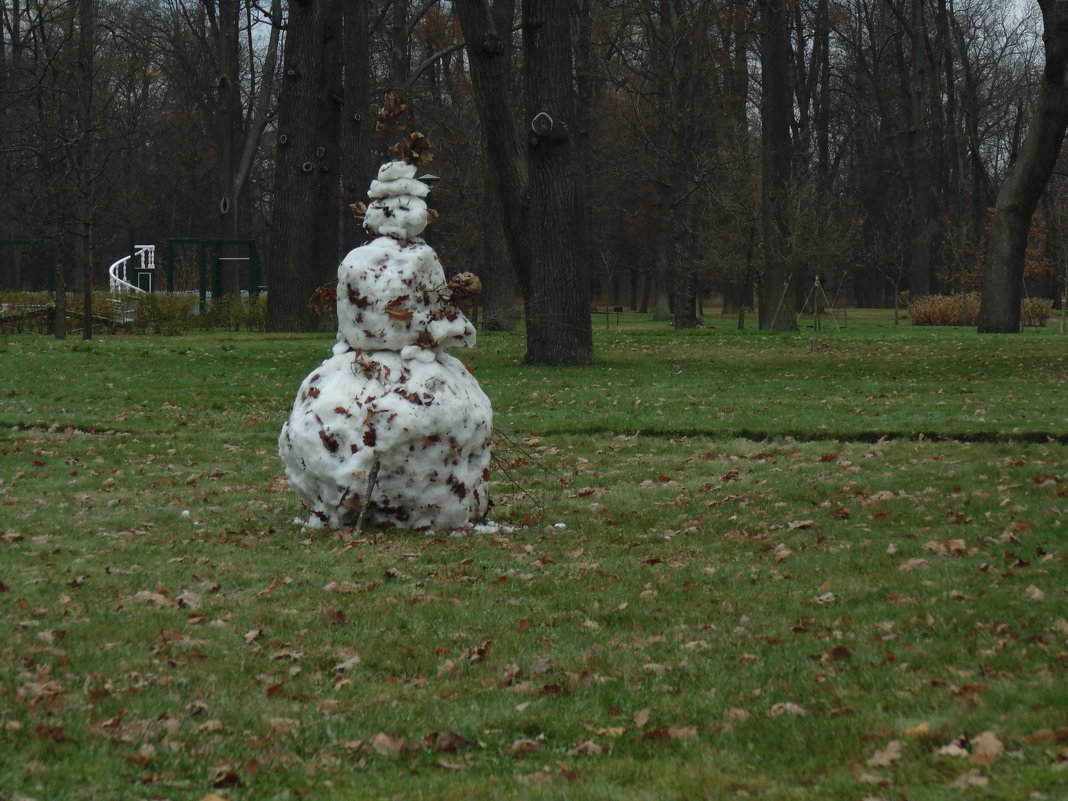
(923, 180)
(1025, 181)
(357, 123)
(84, 161)
(487, 32)
(227, 110)
(304, 222)
(540, 197)
(559, 328)
(778, 311)
(258, 118)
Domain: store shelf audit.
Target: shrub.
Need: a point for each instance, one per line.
(164, 313)
(256, 313)
(233, 312)
(945, 309)
(964, 310)
(25, 312)
(1035, 312)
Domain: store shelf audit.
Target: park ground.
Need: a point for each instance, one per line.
(820, 565)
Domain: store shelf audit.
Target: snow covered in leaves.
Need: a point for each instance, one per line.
(390, 421)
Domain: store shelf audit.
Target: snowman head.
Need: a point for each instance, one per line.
(397, 206)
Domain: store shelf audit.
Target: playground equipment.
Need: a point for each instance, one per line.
(216, 291)
(143, 273)
(136, 272)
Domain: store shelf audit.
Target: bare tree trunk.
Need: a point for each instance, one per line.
(83, 160)
(258, 117)
(923, 183)
(540, 198)
(559, 329)
(227, 110)
(487, 32)
(587, 88)
(357, 123)
(304, 222)
(777, 313)
(1025, 181)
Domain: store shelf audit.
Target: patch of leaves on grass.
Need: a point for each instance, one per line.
(668, 610)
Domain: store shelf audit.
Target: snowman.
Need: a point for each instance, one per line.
(391, 430)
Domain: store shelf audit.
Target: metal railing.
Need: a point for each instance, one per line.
(118, 272)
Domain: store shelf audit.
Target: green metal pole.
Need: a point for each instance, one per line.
(216, 275)
(254, 276)
(170, 265)
(202, 264)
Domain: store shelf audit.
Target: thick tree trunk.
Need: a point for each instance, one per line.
(559, 329)
(540, 197)
(227, 114)
(328, 147)
(777, 312)
(1025, 181)
(83, 160)
(587, 89)
(305, 222)
(488, 34)
(923, 180)
(357, 122)
(249, 137)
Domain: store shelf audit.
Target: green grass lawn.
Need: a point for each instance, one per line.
(823, 565)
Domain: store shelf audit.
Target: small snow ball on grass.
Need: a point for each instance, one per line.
(391, 430)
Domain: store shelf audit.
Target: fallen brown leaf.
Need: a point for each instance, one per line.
(786, 708)
(973, 778)
(524, 747)
(585, 747)
(385, 745)
(887, 756)
(225, 776)
(986, 747)
(446, 741)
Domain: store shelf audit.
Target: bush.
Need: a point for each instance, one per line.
(164, 313)
(233, 313)
(1035, 312)
(964, 310)
(256, 313)
(220, 312)
(21, 312)
(167, 313)
(945, 309)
